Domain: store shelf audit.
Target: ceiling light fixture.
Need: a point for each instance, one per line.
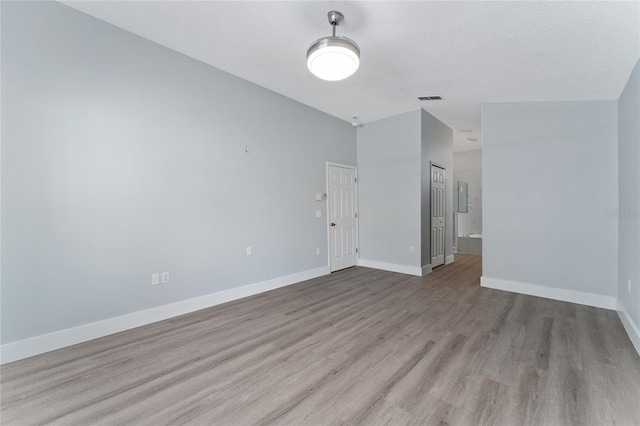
(333, 58)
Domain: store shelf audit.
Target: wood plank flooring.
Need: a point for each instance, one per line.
(360, 346)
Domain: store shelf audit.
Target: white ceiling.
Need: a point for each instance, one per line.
(467, 52)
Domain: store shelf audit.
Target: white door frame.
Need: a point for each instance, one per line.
(355, 169)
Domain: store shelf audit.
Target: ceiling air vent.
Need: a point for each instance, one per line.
(472, 139)
(430, 98)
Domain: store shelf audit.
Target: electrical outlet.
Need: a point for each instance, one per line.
(248, 251)
(318, 250)
(165, 277)
(629, 285)
(411, 249)
(155, 279)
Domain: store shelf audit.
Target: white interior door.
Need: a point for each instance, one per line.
(438, 176)
(343, 217)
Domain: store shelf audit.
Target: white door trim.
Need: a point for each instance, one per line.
(355, 169)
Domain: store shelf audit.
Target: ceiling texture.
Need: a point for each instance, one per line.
(469, 53)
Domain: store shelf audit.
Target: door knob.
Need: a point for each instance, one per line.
(333, 224)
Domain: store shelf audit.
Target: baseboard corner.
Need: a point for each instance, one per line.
(426, 270)
(632, 329)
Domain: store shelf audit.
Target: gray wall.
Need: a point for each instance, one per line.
(467, 167)
(121, 158)
(550, 173)
(629, 207)
(389, 168)
(437, 147)
(394, 160)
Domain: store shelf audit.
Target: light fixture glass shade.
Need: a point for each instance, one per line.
(333, 58)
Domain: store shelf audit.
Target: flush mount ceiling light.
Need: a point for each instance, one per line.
(333, 58)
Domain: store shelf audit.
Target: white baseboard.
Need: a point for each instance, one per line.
(573, 296)
(426, 269)
(59, 339)
(448, 259)
(632, 328)
(393, 267)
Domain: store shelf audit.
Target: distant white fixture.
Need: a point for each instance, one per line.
(333, 58)
(355, 122)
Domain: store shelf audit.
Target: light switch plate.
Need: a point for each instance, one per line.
(155, 279)
(165, 277)
(318, 213)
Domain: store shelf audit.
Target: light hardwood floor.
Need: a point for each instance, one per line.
(360, 346)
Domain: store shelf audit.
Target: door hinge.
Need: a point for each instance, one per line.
(356, 180)
(356, 249)
(356, 215)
